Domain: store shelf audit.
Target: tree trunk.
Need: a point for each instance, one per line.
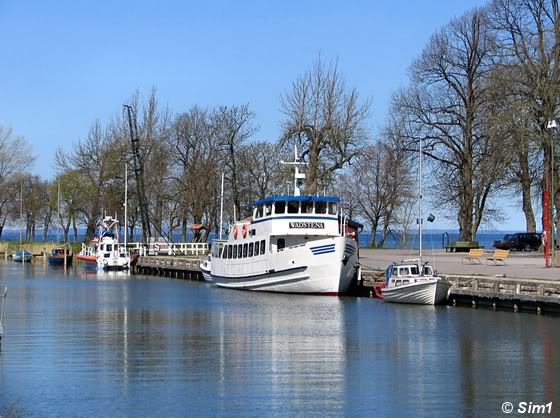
(313, 167)
(184, 229)
(75, 227)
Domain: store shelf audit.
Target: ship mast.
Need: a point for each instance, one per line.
(299, 177)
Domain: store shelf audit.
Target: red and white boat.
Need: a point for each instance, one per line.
(104, 251)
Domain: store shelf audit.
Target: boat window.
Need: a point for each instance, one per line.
(293, 207)
(321, 207)
(414, 270)
(229, 251)
(240, 251)
(280, 207)
(256, 248)
(107, 255)
(398, 282)
(235, 251)
(306, 207)
(267, 209)
(245, 247)
(281, 243)
(404, 271)
(259, 211)
(250, 249)
(405, 282)
(428, 271)
(332, 208)
(109, 247)
(263, 244)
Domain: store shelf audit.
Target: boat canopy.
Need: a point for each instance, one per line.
(290, 198)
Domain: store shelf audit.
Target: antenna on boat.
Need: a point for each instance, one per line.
(299, 177)
(420, 200)
(222, 207)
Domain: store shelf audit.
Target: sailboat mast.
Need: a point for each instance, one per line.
(21, 212)
(222, 207)
(58, 212)
(420, 200)
(125, 206)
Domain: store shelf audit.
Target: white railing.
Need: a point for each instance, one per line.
(163, 248)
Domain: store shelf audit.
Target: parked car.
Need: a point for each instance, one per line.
(526, 241)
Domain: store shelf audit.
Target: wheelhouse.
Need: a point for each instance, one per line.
(276, 206)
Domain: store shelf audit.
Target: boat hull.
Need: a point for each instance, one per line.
(302, 271)
(59, 261)
(430, 292)
(25, 257)
(105, 264)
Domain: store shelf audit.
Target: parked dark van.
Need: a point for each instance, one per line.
(522, 241)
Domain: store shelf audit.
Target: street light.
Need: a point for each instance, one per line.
(553, 126)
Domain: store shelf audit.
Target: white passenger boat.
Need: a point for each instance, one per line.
(406, 283)
(104, 251)
(291, 244)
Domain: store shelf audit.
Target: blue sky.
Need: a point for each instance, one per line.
(66, 63)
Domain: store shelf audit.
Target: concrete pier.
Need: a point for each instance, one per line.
(523, 284)
(169, 266)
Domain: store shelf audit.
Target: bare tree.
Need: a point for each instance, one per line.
(381, 185)
(15, 153)
(94, 160)
(528, 35)
(326, 119)
(234, 125)
(446, 108)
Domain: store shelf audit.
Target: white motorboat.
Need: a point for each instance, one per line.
(413, 281)
(291, 244)
(22, 256)
(407, 284)
(205, 267)
(104, 251)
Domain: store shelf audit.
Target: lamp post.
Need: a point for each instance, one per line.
(553, 126)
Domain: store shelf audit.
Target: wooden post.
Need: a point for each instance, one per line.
(64, 255)
(44, 255)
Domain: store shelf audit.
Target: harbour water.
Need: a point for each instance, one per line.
(110, 344)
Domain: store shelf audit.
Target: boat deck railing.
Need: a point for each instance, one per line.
(163, 248)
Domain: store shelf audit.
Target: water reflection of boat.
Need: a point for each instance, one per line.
(22, 256)
(57, 255)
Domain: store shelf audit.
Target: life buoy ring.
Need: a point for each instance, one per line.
(235, 231)
(244, 231)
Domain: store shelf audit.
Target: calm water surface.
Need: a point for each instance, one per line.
(83, 344)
